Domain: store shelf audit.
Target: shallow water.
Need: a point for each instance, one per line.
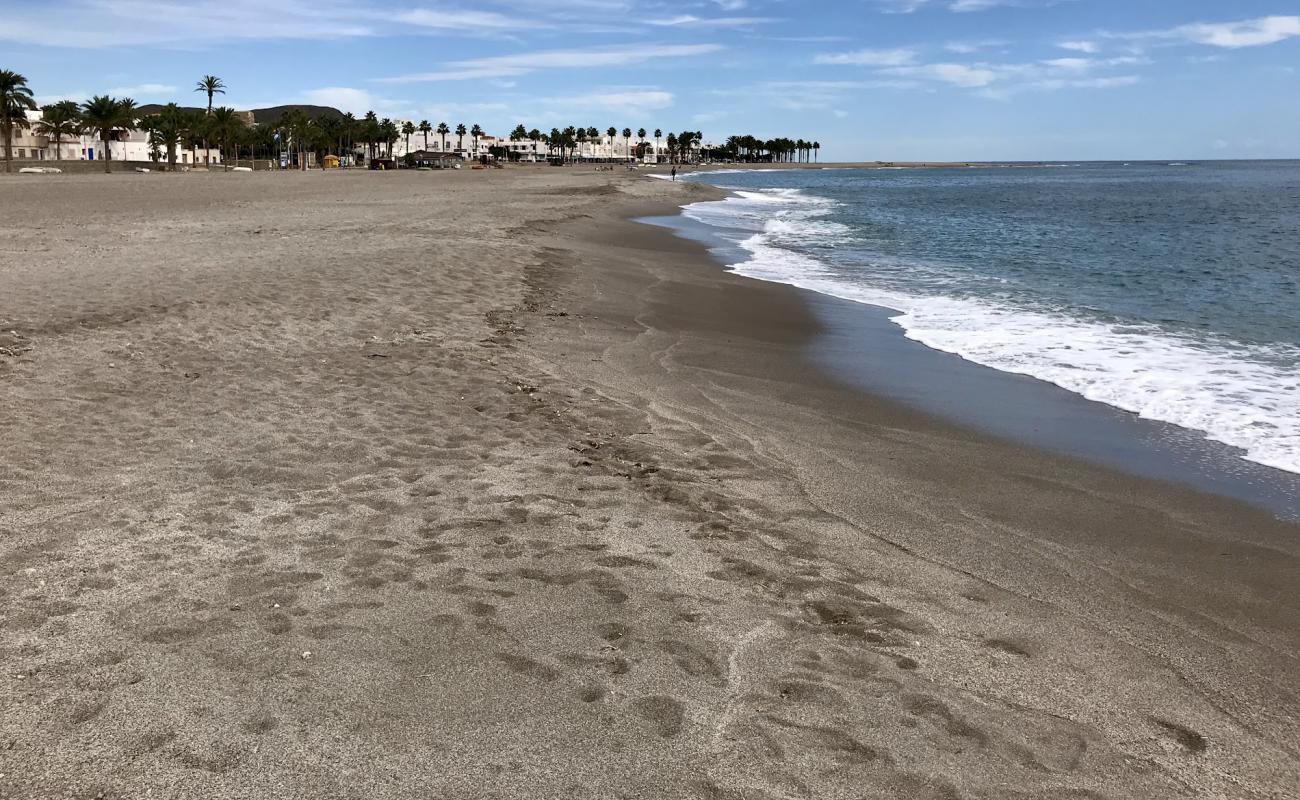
(1172, 292)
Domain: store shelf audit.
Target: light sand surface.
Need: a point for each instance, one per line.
(460, 485)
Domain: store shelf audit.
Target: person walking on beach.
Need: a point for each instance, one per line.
(674, 173)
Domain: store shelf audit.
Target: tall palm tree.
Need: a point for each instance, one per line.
(426, 129)
(627, 143)
(390, 133)
(817, 147)
(226, 124)
(443, 130)
(15, 101)
(209, 85)
(297, 125)
(349, 126)
(460, 138)
(104, 115)
(611, 131)
(658, 133)
(519, 134)
(536, 137)
(476, 132)
(408, 128)
(57, 121)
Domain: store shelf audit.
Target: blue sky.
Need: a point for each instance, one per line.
(870, 79)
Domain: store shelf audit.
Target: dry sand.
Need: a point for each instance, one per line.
(460, 485)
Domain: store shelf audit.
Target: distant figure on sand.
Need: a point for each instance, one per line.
(674, 173)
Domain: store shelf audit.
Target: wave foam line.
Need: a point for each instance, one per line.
(1241, 396)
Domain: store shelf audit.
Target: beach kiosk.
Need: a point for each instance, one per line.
(330, 162)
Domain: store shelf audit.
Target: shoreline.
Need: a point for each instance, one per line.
(1018, 407)
(555, 505)
(1076, 519)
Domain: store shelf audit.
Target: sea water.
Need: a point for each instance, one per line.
(1170, 290)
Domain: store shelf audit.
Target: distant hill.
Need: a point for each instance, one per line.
(270, 116)
(263, 116)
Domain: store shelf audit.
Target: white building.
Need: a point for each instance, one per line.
(131, 145)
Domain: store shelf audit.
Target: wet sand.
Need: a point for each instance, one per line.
(465, 485)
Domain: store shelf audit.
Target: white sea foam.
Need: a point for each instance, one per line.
(1246, 397)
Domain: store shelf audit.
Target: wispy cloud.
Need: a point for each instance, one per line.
(1080, 46)
(461, 20)
(692, 21)
(98, 23)
(869, 57)
(525, 63)
(625, 101)
(959, 6)
(1001, 80)
(1232, 35)
(142, 90)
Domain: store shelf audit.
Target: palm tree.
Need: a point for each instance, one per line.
(103, 115)
(476, 132)
(611, 132)
(226, 124)
(460, 138)
(519, 134)
(297, 124)
(209, 85)
(15, 101)
(408, 128)
(426, 129)
(168, 126)
(443, 130)
(536, 137)
(627, 143)
(817, 146)
(57, 121)
(349, 126)
(658, 133)
(389, 133)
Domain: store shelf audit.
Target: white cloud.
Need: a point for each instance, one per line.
(630, 101)
(517, 64)
(959, 6)
(962, 75)
(467, 74)
(591, 57)
(1231, 35)
(142, 90)
(1250, 33)
(1001, 80)
(968, 47)
(870, 58)
(692, 21)
(460, 20)
(1080, 46)
(98, 23)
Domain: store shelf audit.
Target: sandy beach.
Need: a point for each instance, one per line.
(466, 485)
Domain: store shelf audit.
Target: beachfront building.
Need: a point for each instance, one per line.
(128, 145)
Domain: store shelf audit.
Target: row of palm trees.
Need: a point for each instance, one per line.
(173, 127)
(103, 116)
(751, 149)
(565, 144)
